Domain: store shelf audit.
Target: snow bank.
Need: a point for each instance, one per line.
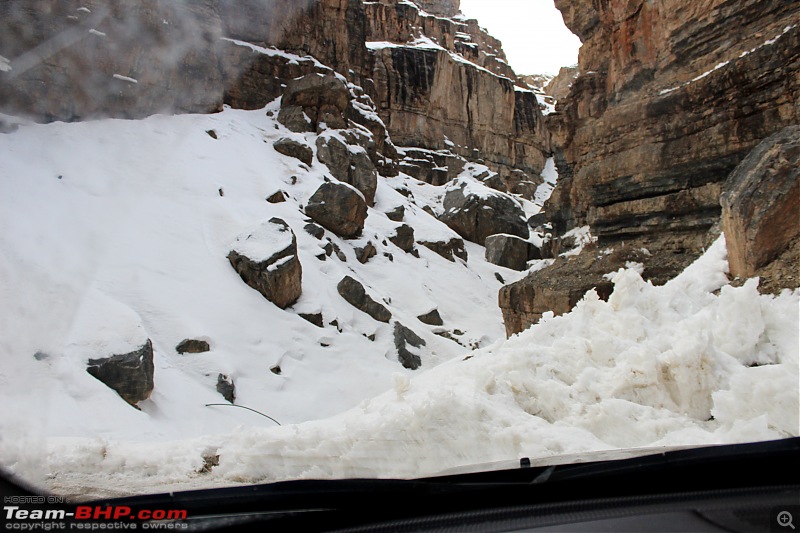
(680, 364)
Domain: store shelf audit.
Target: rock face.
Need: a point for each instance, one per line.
(130, 374)
(447, 8)
(678, 101)
(476, 214)
(761, 203)
(536, 81)
(312, 100)
(447, 104)
(355, 294)
(266, 259)
(559, 86)
(339, 208)
(74, 72)
(679, 95)
(135, 59)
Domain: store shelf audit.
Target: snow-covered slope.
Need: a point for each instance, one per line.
(653, 366)
(114, 231)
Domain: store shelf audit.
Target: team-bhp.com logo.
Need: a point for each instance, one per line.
(29, 516)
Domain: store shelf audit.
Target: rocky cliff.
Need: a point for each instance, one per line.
(671, 96)
(678, 95)
(443, 84)
(70, 60)
(558, 87)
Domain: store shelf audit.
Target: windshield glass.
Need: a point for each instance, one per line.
(266, 240)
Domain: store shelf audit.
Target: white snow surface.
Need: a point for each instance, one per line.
(550, 176)
(115, 231)
(653, 366)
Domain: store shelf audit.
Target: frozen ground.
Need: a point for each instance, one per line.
(117, 231)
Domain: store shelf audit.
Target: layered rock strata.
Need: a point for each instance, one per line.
(670, 97)
(679, 94)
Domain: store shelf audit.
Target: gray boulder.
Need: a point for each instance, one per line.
(403, 237)
(339, 208)
(476, 214)
(292, 148)
(354, 293)
(366, 252)
(130, 374)
(226, 387)
(432, 318)
(266, 259)
(403, 338)
(761, 203)
(315, 231)
(296, 120)
(396, 214)
(495, 182)
(510, 251)
(192, 346)
(349, 164)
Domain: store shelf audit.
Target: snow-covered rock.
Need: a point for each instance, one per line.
(266, 259)
(475, 211)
